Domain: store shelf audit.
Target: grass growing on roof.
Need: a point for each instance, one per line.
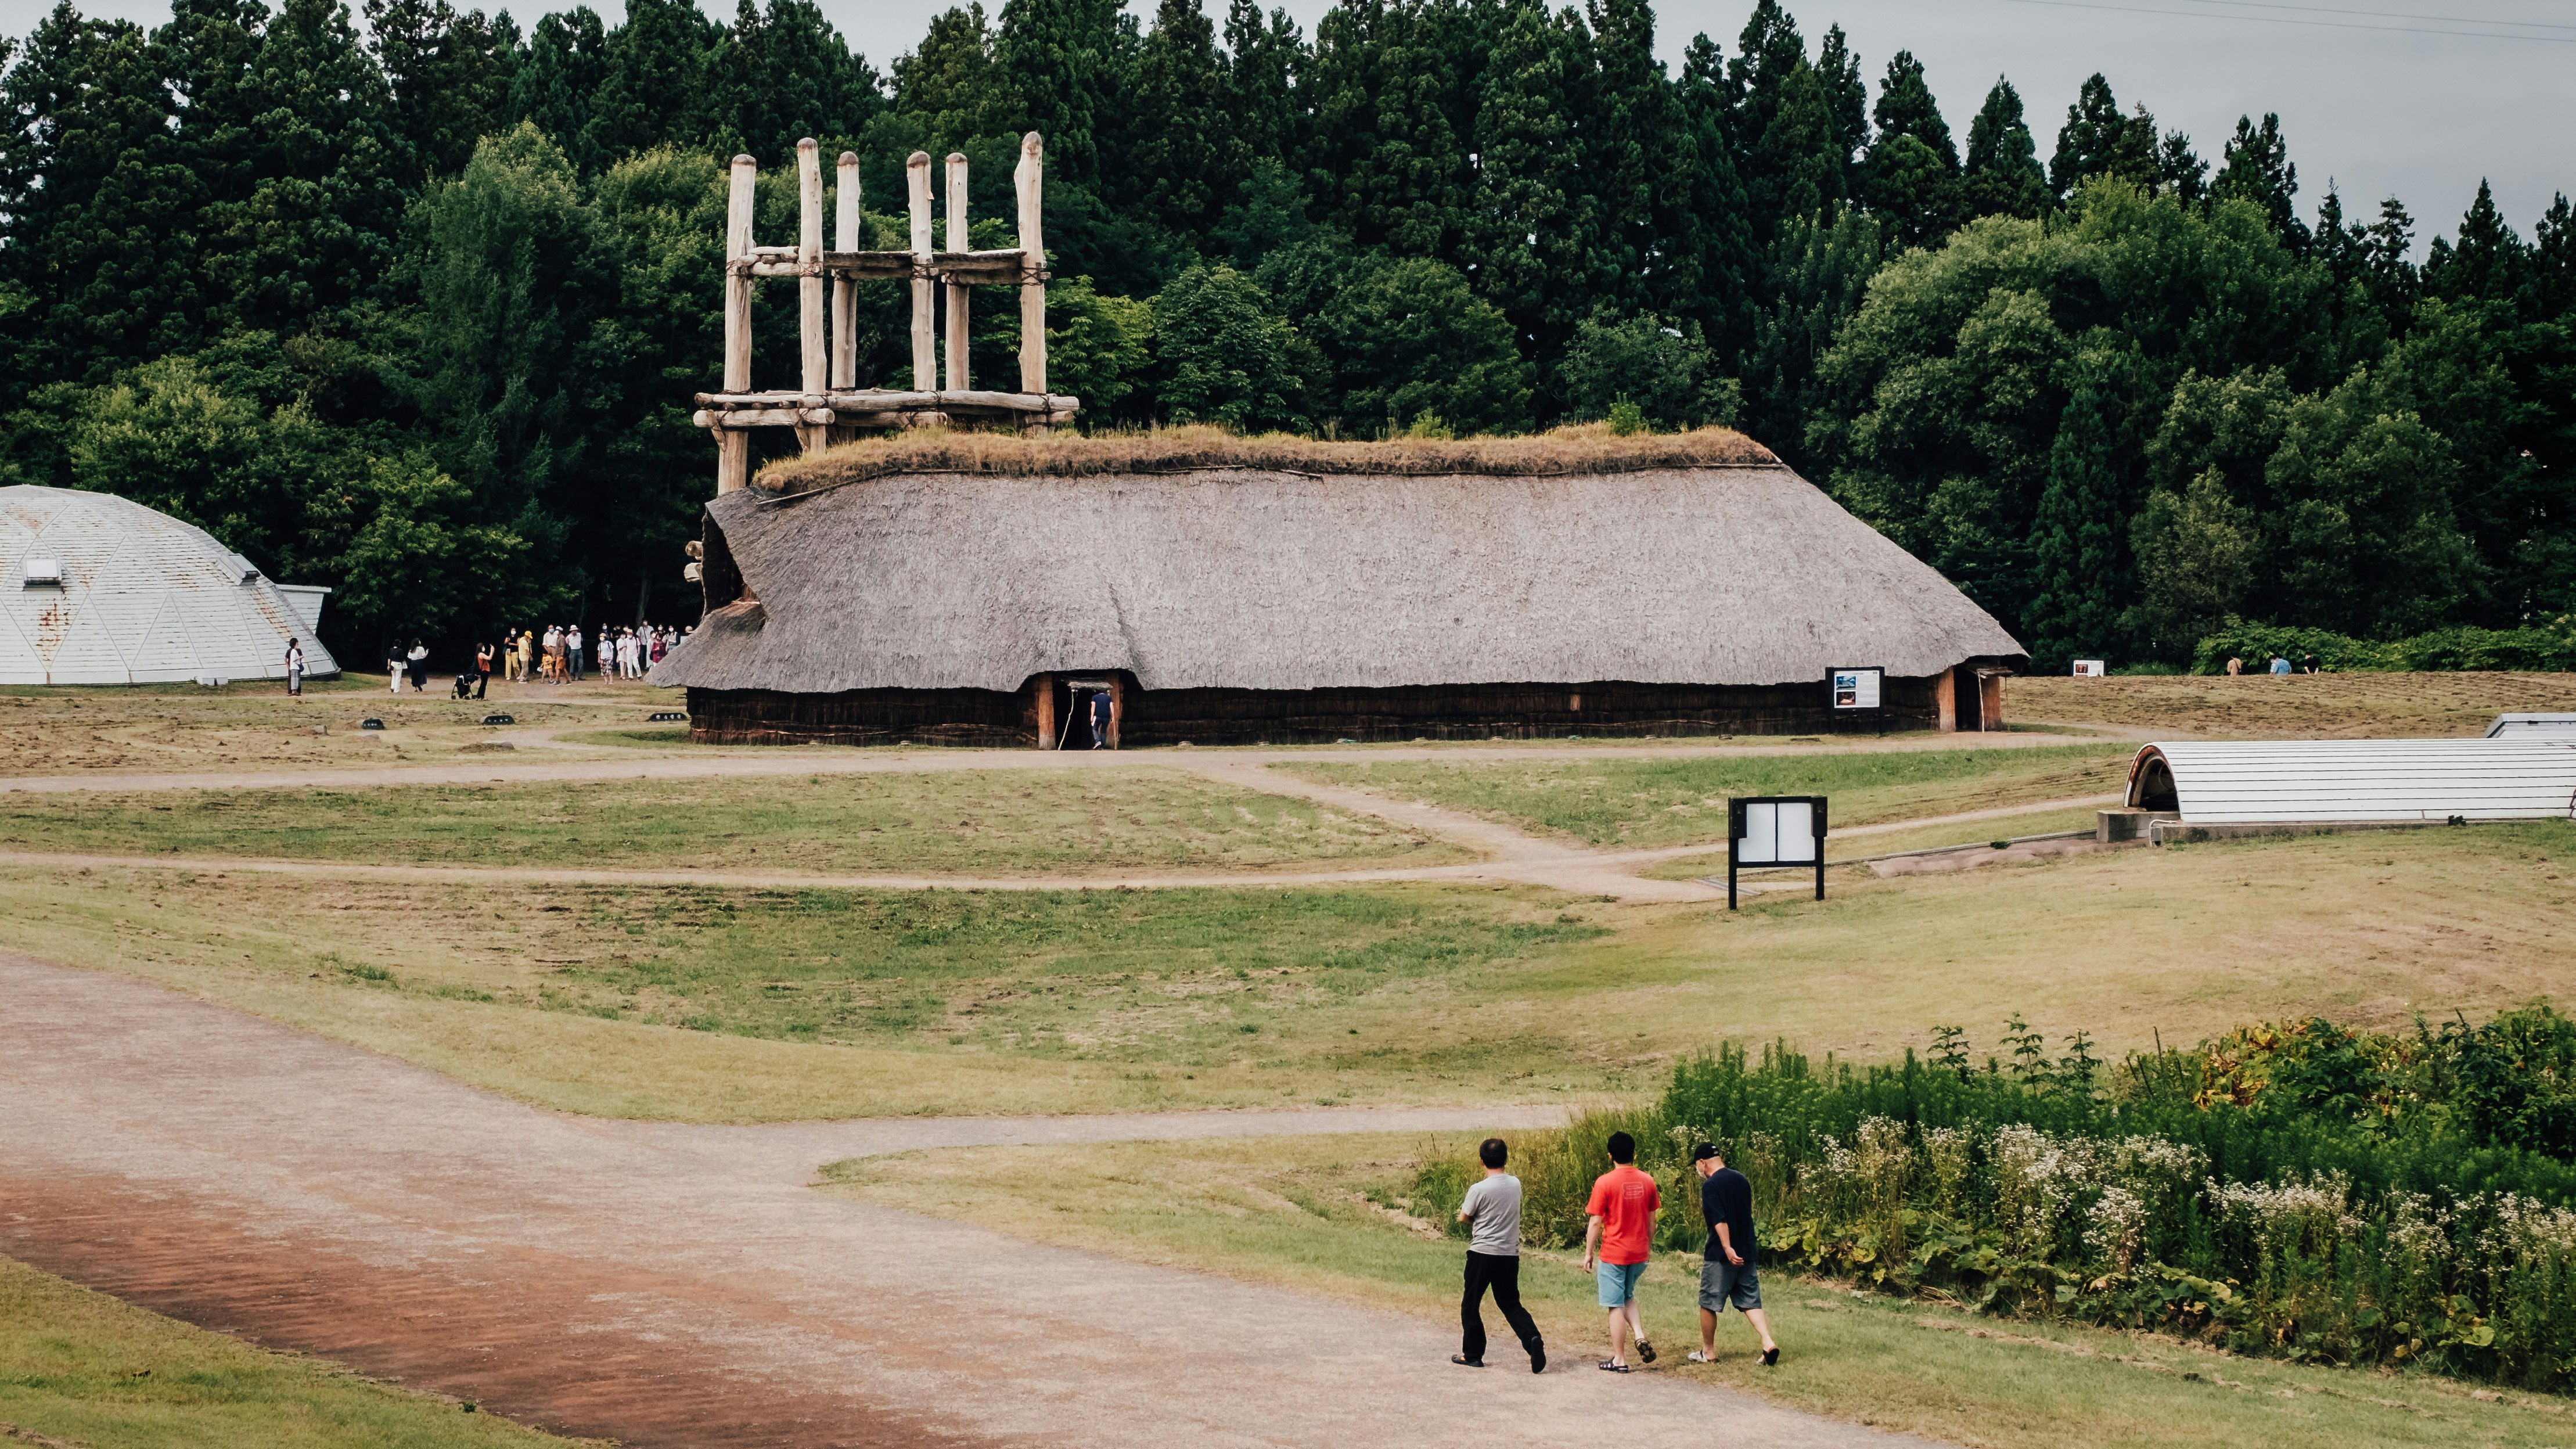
(83, 1367)
(1338, 1215)
(1649, 802)
(996, 822)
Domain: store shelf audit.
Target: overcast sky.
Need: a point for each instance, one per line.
(2416, 98)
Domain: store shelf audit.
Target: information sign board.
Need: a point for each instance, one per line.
(1775, 830)
(1858, 686)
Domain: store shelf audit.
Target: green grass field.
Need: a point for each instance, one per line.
(1652, 802)
(1330, 1215)
(754, 1004)
(998, 822)
(82, 1367)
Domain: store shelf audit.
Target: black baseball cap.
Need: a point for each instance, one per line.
(1703, 1152)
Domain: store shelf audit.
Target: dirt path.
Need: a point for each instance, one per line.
(755, 761)
(672, 1285)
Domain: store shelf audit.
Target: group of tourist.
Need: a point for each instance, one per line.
(2280, 665)
(1622, 1211)
(554, 655)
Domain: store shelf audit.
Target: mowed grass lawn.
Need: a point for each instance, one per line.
(731, 1004)
(981, 821)
(1652, 802)
(83, 1368)
(1332, 1215)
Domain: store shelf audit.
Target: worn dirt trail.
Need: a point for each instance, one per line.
(681, 1285)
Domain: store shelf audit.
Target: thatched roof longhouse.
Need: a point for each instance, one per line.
(1201, 562)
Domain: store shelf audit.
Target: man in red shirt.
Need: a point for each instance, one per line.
(1622, 1209)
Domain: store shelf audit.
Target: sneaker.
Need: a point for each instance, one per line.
(1465, 1362)
(1771, 1356)
(1698, 1357)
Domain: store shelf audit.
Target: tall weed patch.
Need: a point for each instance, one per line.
(2546, 646)
(2304, 1191)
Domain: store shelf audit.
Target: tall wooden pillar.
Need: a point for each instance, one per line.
(1117, 706)
(925, 345)
(814, 354)
(733, 445)
(957, 242)
(1046, 711)
(1945, 701)
(1029, 180)
(845, 292)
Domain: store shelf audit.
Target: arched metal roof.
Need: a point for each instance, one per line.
(2259, 782)
(97, 589)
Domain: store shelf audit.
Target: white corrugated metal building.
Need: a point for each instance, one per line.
(2530, 724)
(97, 589)
(2291, 782)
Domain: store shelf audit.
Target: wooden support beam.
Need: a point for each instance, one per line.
(845, 295)
(925, 346)
(733, 450)
(814, 344)
(1046, 711)
(1028, 178)
(874, 400)
(955, 380)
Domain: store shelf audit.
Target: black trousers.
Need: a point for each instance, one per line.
(1503, 1275)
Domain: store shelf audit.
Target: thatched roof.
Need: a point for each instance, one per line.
(1712, 569)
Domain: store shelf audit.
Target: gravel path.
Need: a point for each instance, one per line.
(680, 1285)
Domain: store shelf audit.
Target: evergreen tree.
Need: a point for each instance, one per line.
(1720, 229)
(1393, 85)
(2486, 264)
(1061, 62)
(2079, 554)
(1186, 157)
(2002, 175)
(1846, 98)
(2099, 141)
(1817, 275)
(1411, 346)
(653, 92)
(1646, 258)
(2180, 173)
(2256, 167)
(1913, 168)
(102, 198)
(949, 86)
(1532, 247)
(566, 64)
(1800, 159)
(1223, 356)
(451, 74)
(780, 75)
(1759, 81)
(1262, 61)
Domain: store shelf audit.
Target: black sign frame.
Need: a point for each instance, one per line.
(1835, 713)
(1735, 818)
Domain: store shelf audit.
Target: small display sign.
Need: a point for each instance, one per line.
(2089, 669)
(1775, 830)
(1857, 687)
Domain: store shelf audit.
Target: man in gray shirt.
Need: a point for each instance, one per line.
(1493, 1213)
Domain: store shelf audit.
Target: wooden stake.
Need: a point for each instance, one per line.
(957, 242)
(1029, 178)
(925, 346)
(814, 343)
(733, 449)
(845, 293)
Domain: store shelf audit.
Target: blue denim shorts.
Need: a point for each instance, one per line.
(1617, 1282)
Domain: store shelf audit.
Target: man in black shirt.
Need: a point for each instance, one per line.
(1727, 1276)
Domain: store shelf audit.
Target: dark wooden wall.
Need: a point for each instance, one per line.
(1292, 716)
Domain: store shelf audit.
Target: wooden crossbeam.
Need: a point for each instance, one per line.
(828, 403)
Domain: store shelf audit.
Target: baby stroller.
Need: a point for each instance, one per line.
(465, 686)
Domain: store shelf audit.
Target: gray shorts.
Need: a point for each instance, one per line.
(1722, 1282)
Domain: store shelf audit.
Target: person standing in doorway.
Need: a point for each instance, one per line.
(1103, 713)
(1622, 1209)
(1492, 1212)
(294, 669)
(1726, 1275)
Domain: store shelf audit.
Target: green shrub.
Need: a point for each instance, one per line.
(2304, 1191)
(2549, 646)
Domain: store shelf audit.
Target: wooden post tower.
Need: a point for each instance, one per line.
(828, 405)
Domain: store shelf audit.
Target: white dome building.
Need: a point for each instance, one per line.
(97, 589)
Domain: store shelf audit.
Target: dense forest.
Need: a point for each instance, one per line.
(411, 302)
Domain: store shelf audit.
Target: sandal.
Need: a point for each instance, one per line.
(1608, 1366)
(1771, 1357)
(1460, 1358)
(1645, 1350)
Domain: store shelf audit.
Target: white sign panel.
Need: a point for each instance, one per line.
(1778, 834)
(1857, 688)
(2089, 669)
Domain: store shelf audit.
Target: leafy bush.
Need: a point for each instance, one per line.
(2549, 646)
(2305, 1191)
